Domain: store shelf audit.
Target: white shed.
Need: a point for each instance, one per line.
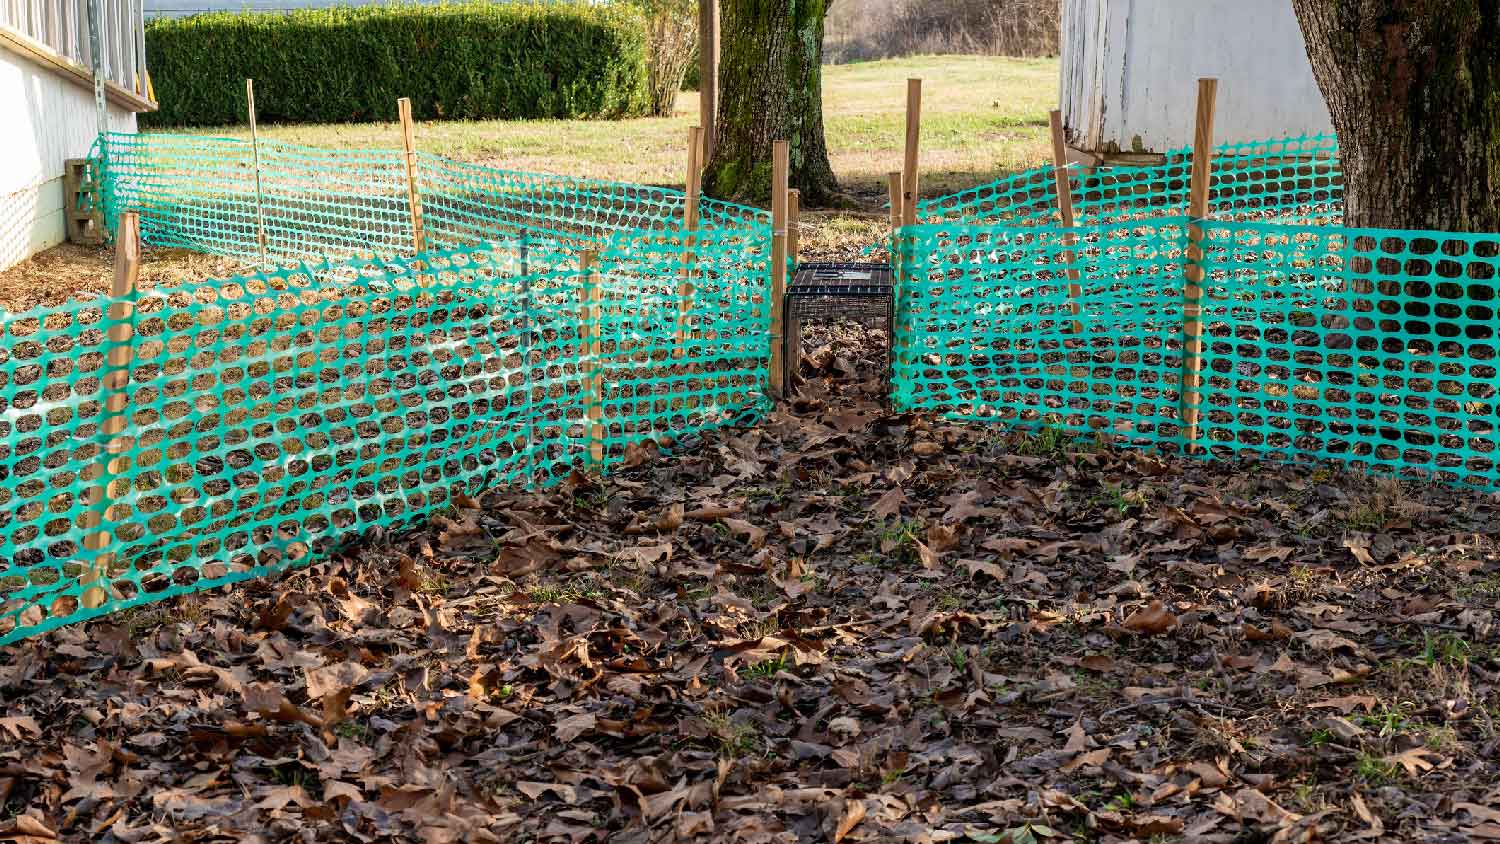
(1129, 71)
(47, 97)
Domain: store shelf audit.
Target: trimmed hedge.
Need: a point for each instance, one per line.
(466, 61)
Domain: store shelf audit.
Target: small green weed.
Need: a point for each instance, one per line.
(735, 738)
(351, 729)
(765, 669)
(1376, 770)
(1443, 649)
(1047, 441)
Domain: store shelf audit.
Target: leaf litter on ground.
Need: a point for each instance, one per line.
(844, 624)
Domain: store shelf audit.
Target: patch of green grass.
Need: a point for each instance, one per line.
(590, 502)
(1117, 499)
(435, 584)
(293, 773)
(1387, 722)
(1319, 737)
(354, 730)
(958, 658)
(1484, 589)
(1376, 770)
(1367, 518)
(765, 669)
(548, 594)
(1442, 649)
(1047, 441)
(735, 738)
(901, 538)
(982, 117)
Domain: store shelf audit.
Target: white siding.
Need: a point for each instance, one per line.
(1129, 71)
(49, 120)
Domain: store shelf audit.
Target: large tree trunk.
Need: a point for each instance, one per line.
(1414, 90)
(770, 89)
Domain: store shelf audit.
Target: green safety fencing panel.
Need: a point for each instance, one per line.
(272, 416)
(985, 326)
(1370, 347)
(201, 194)
(1290, 180)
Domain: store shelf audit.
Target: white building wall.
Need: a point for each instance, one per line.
(49, 119)
(1130, 71)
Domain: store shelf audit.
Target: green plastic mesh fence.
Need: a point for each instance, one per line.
(1289, 180)
(1373, 348)
(200, 193)
(274, 415)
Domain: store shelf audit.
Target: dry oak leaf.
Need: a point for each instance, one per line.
(1415, 760)
(890, 503)
(854, 812)
(269, 702)
(24, 829)
(574, 726)
(1153, 619)
(1347, 704)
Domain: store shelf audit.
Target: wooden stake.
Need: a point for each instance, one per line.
(591, 350)
(794, 225)
(694, 182)
(413, 195)
(779, 175)
(909, 166)
(1065, 212)
(898, 204)
(113, 421)
(708, 74)
(260, 202)
(1190, 397)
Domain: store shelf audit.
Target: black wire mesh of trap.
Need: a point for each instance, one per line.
(836, 291)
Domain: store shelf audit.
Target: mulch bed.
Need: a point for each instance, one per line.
(842, 625)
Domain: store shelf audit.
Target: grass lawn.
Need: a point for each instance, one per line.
(982, 116)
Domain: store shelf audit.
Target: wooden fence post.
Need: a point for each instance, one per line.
(591, 350)
(694, 190)
(708, 73)
(794, 226)
(260, 203)
(1190, 396)
(113, 420)
(413, 194)
(1065, 213)
(898, 203)
(779, 177)
(909, 165)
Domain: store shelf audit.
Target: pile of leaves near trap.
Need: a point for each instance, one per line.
(843, 625)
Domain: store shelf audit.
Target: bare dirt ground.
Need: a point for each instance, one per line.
(845, 624)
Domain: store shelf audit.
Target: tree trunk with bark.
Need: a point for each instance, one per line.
(770, 89)
(1414, 90)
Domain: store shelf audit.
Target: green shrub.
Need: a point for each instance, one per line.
(464, 61)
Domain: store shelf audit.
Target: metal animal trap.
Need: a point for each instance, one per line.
(835, 291)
